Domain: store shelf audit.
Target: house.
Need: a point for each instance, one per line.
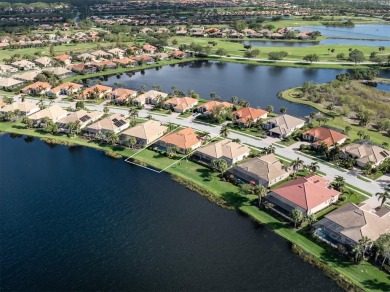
(176, 54)
(321, 135)
(60, 72)
(67, 88)
(145, 133)
(265, 170)
(144, 59)
(209, 107)
(86, 57)
(283, 125)
(121, 95)
(309, 195)
(7, 69)
(185, 140)
(25, 108)
(23, 65)
(54, 113)
(66, 59)
(81, 117)
(9, 83)
(114, 123)
(149, 49)
(44, 61)
(227, 150)
(101, 54)
(106, 63)
(96, 91)
(82, 68)
(125, 62)
(37, 88)
(365, 153)
(248, 115)
(119, 53)
(350, 223)
(180, 104)
(26, 76)
(149, 97)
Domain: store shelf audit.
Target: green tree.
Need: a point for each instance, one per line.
(297, 217)
(219, 165)
(356, 56)
(383, 197)
(224, 132)
(311, 58)
(260, 191)
(311, 219)
(221, 52)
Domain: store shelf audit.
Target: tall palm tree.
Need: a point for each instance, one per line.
(314, 167)
(297, 217)
(260, 191)
(358, 251)
(383, 197)
(269, 108)
(338, 182)
(224, 132)
(297, 164)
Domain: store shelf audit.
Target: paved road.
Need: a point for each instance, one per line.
(288, 152)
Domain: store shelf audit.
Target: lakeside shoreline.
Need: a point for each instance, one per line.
(309, 246)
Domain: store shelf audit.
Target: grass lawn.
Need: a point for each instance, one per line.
(371, 279)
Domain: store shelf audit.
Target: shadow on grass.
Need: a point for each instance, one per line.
(205, 174)
(376, 285)
(234, 199)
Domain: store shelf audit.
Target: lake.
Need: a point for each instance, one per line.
(257, 84)
(359, 31)
(74, 219)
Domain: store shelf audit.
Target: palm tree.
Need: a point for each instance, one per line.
(106, 110)
(297, 164)
(132, 141)
(338, 183)
(269, 108)
(297, 217)
(335, 152)
(260, 191)
(311, 219)
(312, 115)
(358, 251)
(133, 113)
(383, 197)
(314, 167)
(367, 168)
(224, 132)
(323, 148)
(270, 149)
(234, 99)
(283, 110)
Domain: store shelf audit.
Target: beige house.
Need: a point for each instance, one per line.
(283, 125)
(119, 53)
(54, 113)
(67, 88)
(145, 133)
(227, 150)
(180, 104)
(149, 97)
(82, 117)
(309, 195)
(44, 61)
(27, 76)
(60, 71)
(114, 123)
(265, 170)
(37, 88)
(86, 56)
(365, 153)
(101, 54)
(25, 108)
(9, 83)
(23, 65)
(7, 69)
(350, 223)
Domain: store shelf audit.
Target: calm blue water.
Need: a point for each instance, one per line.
(364, 31)
(383, 86)
(329, 41)
(73, 219)
(257, 84)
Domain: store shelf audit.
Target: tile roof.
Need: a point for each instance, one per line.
(51, 112)
(184, 138)
(246, 113)
(181, 103)
(224, 148)
(147, 130)
(325, 135)
(366, 152)
(22, 106)
(307, 192)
